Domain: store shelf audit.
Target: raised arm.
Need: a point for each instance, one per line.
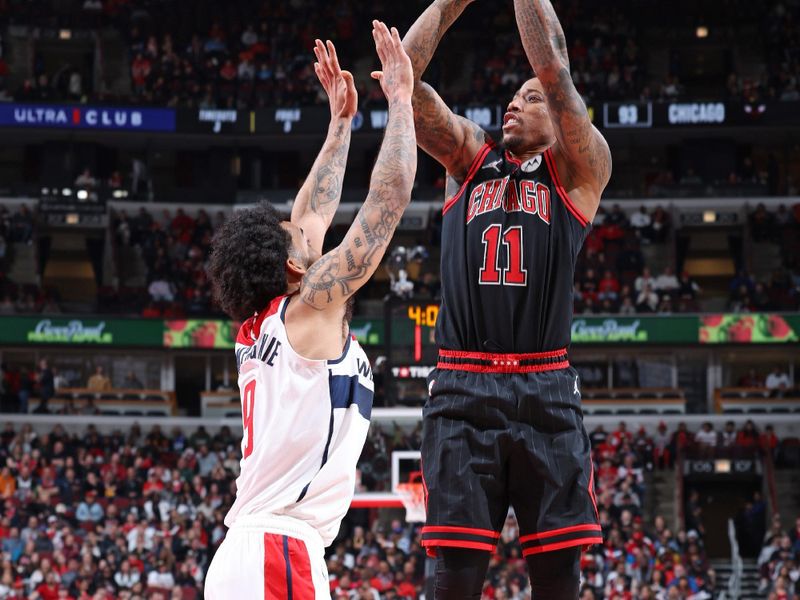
(318, 198)
(584, 148)
(336, 276)
(452, 140)
(427, 31)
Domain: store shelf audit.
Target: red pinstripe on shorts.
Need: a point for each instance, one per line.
(302, 581)
(275, 585)
(287, 569)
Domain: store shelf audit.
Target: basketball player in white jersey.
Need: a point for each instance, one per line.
(306, 385)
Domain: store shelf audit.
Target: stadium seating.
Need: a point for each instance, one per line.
(160, 257)
(629, 401)
(220, 404)
(750, 400)
(251, 53)
(159, 496)
(113, 402)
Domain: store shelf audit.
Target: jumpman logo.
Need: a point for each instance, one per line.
(576, 385)
(493, 165)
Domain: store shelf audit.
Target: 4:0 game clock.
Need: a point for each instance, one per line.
(410, 347)
(423, 315)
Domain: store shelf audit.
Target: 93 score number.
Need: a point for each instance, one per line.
(423, 315)
(628, 114)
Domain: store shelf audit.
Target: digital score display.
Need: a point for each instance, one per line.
(627, 114)
(423, 315)
(410, 346)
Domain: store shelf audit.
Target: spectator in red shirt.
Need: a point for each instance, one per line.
(769, 441)
(140, 71)
(153, 484)
(383, 579)
(681, 438)
(621, 435)
(751, 379)
(151, 311)
(589, 283)
(113, 466)
(748, 437)
(48, 590)
(405, 588)
(343, 586)
(181, 223)
(608, 288)
(606, 475)
(228, 71)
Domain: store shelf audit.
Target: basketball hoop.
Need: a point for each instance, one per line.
(412, 494)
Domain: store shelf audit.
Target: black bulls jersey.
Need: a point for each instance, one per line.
(510, 239)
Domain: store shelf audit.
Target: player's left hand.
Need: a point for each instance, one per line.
(397, 74)
(337, 84)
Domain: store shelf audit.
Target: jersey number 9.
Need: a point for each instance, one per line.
(248, 404)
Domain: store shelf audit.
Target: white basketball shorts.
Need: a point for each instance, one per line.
(269, 558)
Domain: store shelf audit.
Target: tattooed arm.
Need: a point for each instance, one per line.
(427, 31)
(318, 199)
(452, 140)
(336, 276)
(585, 151)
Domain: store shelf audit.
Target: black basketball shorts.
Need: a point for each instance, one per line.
(504, 430)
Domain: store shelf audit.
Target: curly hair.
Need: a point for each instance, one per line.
(247, 262)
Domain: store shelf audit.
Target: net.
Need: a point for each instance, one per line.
(412, 494)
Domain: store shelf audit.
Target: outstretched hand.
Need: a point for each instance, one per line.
(338, 84)
(396, 75)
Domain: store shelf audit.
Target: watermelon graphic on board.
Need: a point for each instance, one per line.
(745, 329)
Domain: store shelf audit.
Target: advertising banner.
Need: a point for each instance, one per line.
(200, 333)
(757, 328)
(368, 332)
(634, 330)
(609, 115)
(80, 116)
(74, 331)
(220, 334)
(282, 121)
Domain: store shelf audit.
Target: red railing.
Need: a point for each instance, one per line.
(681, 517)
(769, 472)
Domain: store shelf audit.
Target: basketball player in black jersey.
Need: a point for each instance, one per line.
(503, 425)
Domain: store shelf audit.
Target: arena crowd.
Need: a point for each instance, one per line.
(254, 53)
(611, 277)
(137, 514)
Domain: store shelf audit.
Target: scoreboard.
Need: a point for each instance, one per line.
(423, 315)
(617, 115)
(410, 347)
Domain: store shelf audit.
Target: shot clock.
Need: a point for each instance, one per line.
(423, 315)
(411, 351)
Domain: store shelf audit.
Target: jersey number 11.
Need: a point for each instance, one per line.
(514, 273)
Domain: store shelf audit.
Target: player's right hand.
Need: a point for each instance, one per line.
(396, 75)
(337, 84)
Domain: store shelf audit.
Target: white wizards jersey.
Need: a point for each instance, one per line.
(305, 423)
